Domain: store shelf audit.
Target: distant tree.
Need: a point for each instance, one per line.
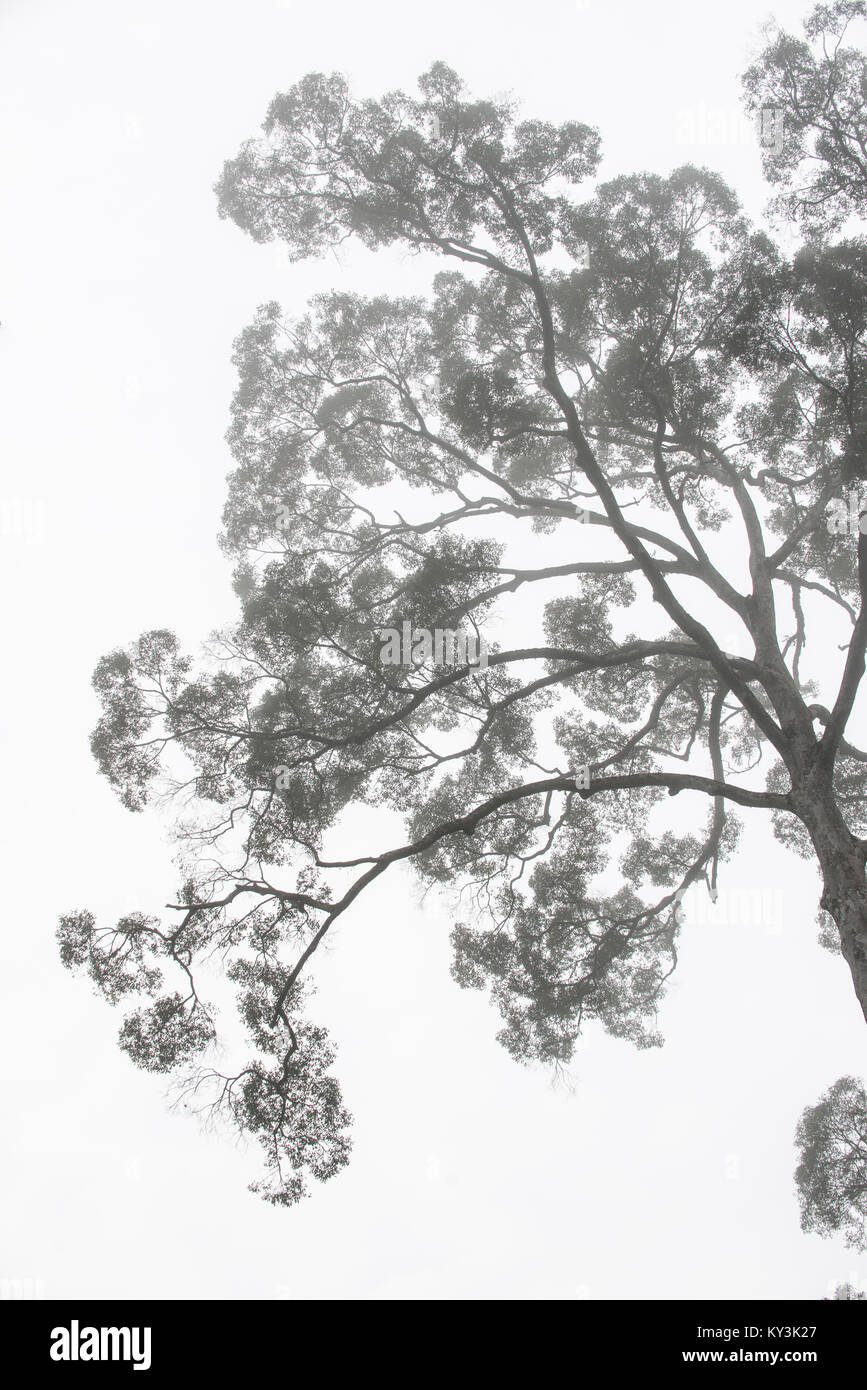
(848, 1291)
(632, 371)
(831, 1176)
(819, 163)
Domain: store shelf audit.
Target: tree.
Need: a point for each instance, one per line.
(818, 88)
(632, 371)
(831, 1176)
(848, 1292)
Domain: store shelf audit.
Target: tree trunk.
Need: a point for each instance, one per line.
(841, 858)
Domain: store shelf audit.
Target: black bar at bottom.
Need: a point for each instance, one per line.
(77, 1336)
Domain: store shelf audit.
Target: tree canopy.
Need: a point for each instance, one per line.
(627, 370)
(831, 1176)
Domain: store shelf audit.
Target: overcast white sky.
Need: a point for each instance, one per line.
(665, 1174)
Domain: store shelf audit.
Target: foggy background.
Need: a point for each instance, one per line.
(663, 1174)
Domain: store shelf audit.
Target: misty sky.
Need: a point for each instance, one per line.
(661, 1174)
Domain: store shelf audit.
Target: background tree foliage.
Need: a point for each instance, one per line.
(832, 1173)
(675, 411)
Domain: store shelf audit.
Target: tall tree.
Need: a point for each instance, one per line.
(831, 1176)
(816, 88)
(630, 370)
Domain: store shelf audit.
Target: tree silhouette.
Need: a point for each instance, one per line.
(818, 87)
(831, 1176)
(629, 378)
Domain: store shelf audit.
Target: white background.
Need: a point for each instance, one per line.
(664, 1174)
